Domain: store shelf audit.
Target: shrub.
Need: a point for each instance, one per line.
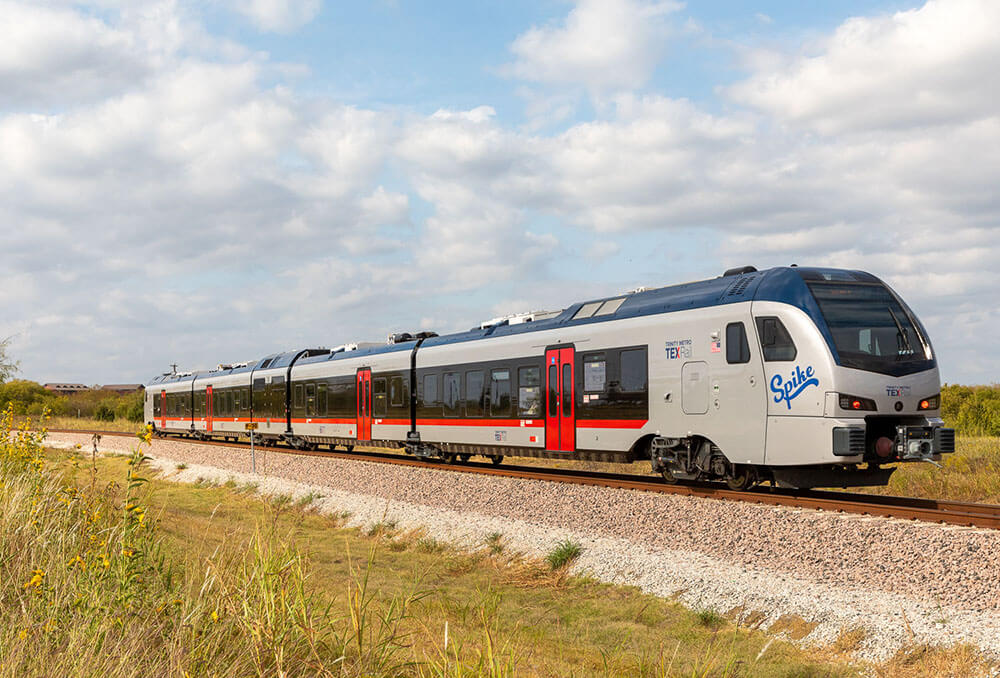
(972, 410)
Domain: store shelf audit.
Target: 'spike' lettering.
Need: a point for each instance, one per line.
(788, 390)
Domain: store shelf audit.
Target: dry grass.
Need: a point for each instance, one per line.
(962, 661)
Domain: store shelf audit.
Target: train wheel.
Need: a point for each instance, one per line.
(497, 459)
(465, 458)
(742, 478)
(349, 448)
(668, 477)
(450, 458)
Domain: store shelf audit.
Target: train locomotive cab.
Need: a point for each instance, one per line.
(852, 382)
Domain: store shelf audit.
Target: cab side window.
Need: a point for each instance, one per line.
(737, 346)
(775, 341)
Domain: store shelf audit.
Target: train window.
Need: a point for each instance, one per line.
(298, 401)
(587, 310)
(553, 386)
(775, 342)
(431, 390)
(610, 306)
(567, 390)
(595, 372)
(474, 394)
(245, 399)
(452, 394)
(634, 371)
(737, 347)
(258, 384)
(321, 399)
(529, 392)
(396, 391)
(379, 400)
(500, 393)
(310, 400)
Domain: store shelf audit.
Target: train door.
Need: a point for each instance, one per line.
(163, 409)
(364, 397)
(208, 409)
(560, 419)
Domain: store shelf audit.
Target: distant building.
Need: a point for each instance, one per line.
(66, 389)
(123, 389)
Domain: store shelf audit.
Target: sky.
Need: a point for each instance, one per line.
(206, 181)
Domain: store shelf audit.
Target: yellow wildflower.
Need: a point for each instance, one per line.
(37, 577)
(23, 634)
(215, 616)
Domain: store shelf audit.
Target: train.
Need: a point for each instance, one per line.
(801, 377)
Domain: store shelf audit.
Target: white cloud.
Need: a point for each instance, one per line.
(196, 199)
(934, 65)
(280, 16)
(603, 45)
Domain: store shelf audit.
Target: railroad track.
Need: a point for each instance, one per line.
(907, 508)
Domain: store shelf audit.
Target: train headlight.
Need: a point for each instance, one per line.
(857, 403)
(932, 403)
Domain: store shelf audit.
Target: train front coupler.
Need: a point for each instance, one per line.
(923, 443)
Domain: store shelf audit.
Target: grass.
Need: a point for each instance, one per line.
(213, 581)
(219, 581)
(563, 554)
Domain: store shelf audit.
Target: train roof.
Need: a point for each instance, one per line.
(780, 284)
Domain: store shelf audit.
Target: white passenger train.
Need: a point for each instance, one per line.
(807, 377)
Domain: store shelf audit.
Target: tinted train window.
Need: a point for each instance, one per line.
(452, 394)
(553, 386)
(379, 401)
(321, 399)
(634, 370)
(737, 347)
(529, 392)
(396, 391)
(310, 400)
(567, 390)
(431, 390)
(474, 394)
(297, 403)
(595, 373)
(500, 393)
(258, 384)
(775, 342)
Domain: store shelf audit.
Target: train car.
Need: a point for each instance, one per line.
(168, 403)
(802, 376)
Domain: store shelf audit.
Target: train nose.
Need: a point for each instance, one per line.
(883, 447)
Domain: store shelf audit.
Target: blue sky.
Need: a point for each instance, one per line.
(197, 182)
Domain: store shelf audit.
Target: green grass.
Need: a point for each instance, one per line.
(563, 554)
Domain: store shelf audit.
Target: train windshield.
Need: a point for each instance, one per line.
(871, 329)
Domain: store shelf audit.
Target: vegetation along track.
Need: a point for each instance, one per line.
(909, 508)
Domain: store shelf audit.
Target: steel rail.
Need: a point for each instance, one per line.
(886, 506)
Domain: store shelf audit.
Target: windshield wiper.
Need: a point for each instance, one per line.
(903, 334)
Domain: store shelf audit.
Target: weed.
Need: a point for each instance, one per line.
(429, 545)
(563, 554)
(494, 542)
(709, 618)
(181, 466)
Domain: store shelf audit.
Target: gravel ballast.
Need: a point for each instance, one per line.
(904, 582)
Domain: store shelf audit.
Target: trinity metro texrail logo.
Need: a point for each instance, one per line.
(789, 389)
